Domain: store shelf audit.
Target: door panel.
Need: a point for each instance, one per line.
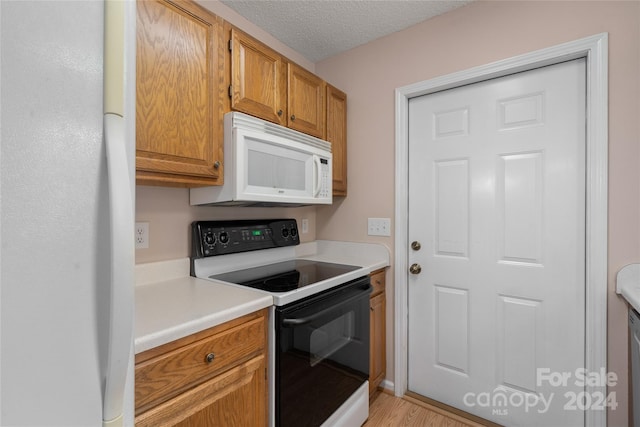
(497, 197)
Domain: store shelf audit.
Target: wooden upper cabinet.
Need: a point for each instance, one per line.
(306, 101)
(267, 85)
(258, 79)
(178, 116)
(336, 134)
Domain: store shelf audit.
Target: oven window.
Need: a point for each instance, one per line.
(327, 339)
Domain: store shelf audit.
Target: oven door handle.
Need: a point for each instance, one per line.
(297, 321)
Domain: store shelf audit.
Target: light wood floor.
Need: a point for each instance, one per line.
(390, 411)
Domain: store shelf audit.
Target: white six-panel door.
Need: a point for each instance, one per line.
(497, 203)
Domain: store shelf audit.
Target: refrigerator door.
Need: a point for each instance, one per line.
(55, 253)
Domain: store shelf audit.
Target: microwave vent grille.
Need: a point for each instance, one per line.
(244, 121)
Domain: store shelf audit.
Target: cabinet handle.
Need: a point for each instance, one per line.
(279, 112)
(293, 117)
(371, 308)
(210, 357)
(216, 164)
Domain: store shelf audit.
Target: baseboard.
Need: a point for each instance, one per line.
(387, 386)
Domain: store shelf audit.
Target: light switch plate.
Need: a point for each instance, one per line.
(379, 227)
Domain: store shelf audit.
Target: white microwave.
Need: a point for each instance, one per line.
(269, 165)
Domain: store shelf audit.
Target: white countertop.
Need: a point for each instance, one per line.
(178, 305)
(628, 284)
(170, 304)
(369, 256)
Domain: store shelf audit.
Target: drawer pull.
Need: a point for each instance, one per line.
(210, 357)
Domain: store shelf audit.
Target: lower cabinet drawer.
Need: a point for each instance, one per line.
(165, 376)
(237, 397)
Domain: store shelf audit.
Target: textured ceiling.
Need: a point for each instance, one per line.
(318, 29)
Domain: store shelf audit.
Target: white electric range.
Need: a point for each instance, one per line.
(319, 325)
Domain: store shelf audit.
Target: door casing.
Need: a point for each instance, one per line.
(595, 50)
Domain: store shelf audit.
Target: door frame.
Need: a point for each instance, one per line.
(595, 50)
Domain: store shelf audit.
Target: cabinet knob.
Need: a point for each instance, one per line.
(216, 164)
(210, 357)
(279, 112)
(293, 117)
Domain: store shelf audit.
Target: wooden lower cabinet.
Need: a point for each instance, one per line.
(216, 377)
(377, 356)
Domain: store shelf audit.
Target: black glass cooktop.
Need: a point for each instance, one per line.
(285, 276)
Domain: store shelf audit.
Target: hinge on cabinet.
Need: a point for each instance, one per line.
(230, 91)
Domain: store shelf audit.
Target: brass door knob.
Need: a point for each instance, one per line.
(415, 245)
(415, 269)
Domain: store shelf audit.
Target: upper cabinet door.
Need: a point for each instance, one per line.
(336, 134)
(306, 101)
(258, 79)
(178, 135)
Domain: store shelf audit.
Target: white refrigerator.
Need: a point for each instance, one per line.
(67, 152)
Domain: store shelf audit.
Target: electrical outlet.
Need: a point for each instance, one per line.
(142, 235)
(379, 227)
(305, 226)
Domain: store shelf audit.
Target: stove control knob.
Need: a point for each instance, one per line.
(209, 238)
(285, 232)
(224, 237)
(294, 232)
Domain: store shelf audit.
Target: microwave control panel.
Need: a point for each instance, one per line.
(210, 238)
(325, 179)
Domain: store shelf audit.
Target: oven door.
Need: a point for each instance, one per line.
(322, 353)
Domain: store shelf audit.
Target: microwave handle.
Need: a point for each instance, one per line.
(318, 175)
